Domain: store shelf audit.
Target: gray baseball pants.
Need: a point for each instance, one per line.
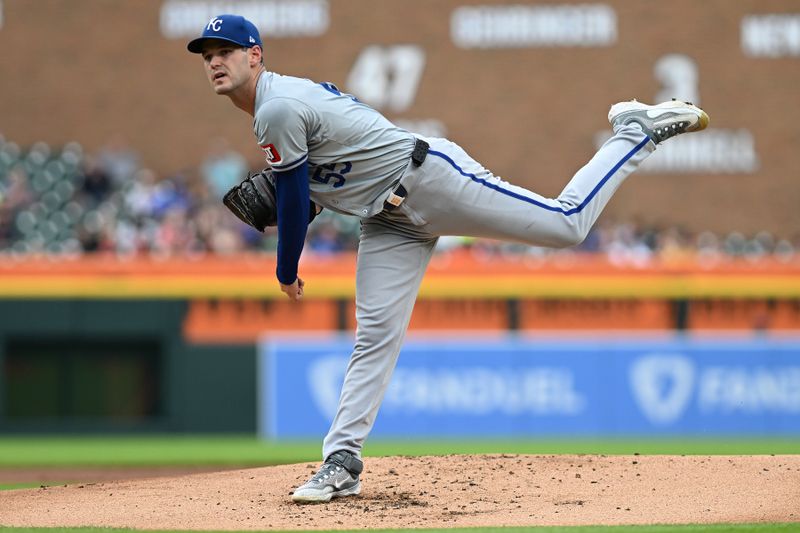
(452, 194)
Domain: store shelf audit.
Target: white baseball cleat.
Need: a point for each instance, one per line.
(337, 477)
(660, 121)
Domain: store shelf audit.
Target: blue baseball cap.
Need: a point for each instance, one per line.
(232, 28)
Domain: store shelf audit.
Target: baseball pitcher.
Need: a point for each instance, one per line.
(325, 149)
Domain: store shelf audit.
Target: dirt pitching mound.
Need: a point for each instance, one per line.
(426, 492)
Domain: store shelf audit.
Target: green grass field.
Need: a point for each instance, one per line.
(200, 450)
(25, 451)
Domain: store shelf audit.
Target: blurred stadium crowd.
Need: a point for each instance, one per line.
(67, 202)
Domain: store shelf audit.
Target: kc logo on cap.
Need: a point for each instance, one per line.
(232, 28)
(214, 24)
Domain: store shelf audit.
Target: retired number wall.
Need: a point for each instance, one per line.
(523, 86)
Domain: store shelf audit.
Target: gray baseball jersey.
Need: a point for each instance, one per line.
(356, 157)
(354, 153)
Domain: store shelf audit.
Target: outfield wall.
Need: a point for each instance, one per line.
(117, 366)
(102, 344)
(596, 386)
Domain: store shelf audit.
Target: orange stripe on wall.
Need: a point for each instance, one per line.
(449, 276)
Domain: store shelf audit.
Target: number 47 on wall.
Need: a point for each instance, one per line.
(387, 77)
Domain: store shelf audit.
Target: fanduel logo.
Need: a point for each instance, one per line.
(662, 386)
(484, 391)
(325, 378)
(476, 391)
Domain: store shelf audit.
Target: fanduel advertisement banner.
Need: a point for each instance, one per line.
(532, 387)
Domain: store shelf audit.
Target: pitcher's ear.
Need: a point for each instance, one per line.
(256, 55)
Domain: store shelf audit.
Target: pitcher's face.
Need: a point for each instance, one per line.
(227, 65)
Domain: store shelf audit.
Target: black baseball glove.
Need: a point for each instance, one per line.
(254, 201)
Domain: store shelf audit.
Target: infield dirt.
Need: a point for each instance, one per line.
(442, 491)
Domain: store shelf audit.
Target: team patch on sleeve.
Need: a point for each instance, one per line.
(273, 157)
